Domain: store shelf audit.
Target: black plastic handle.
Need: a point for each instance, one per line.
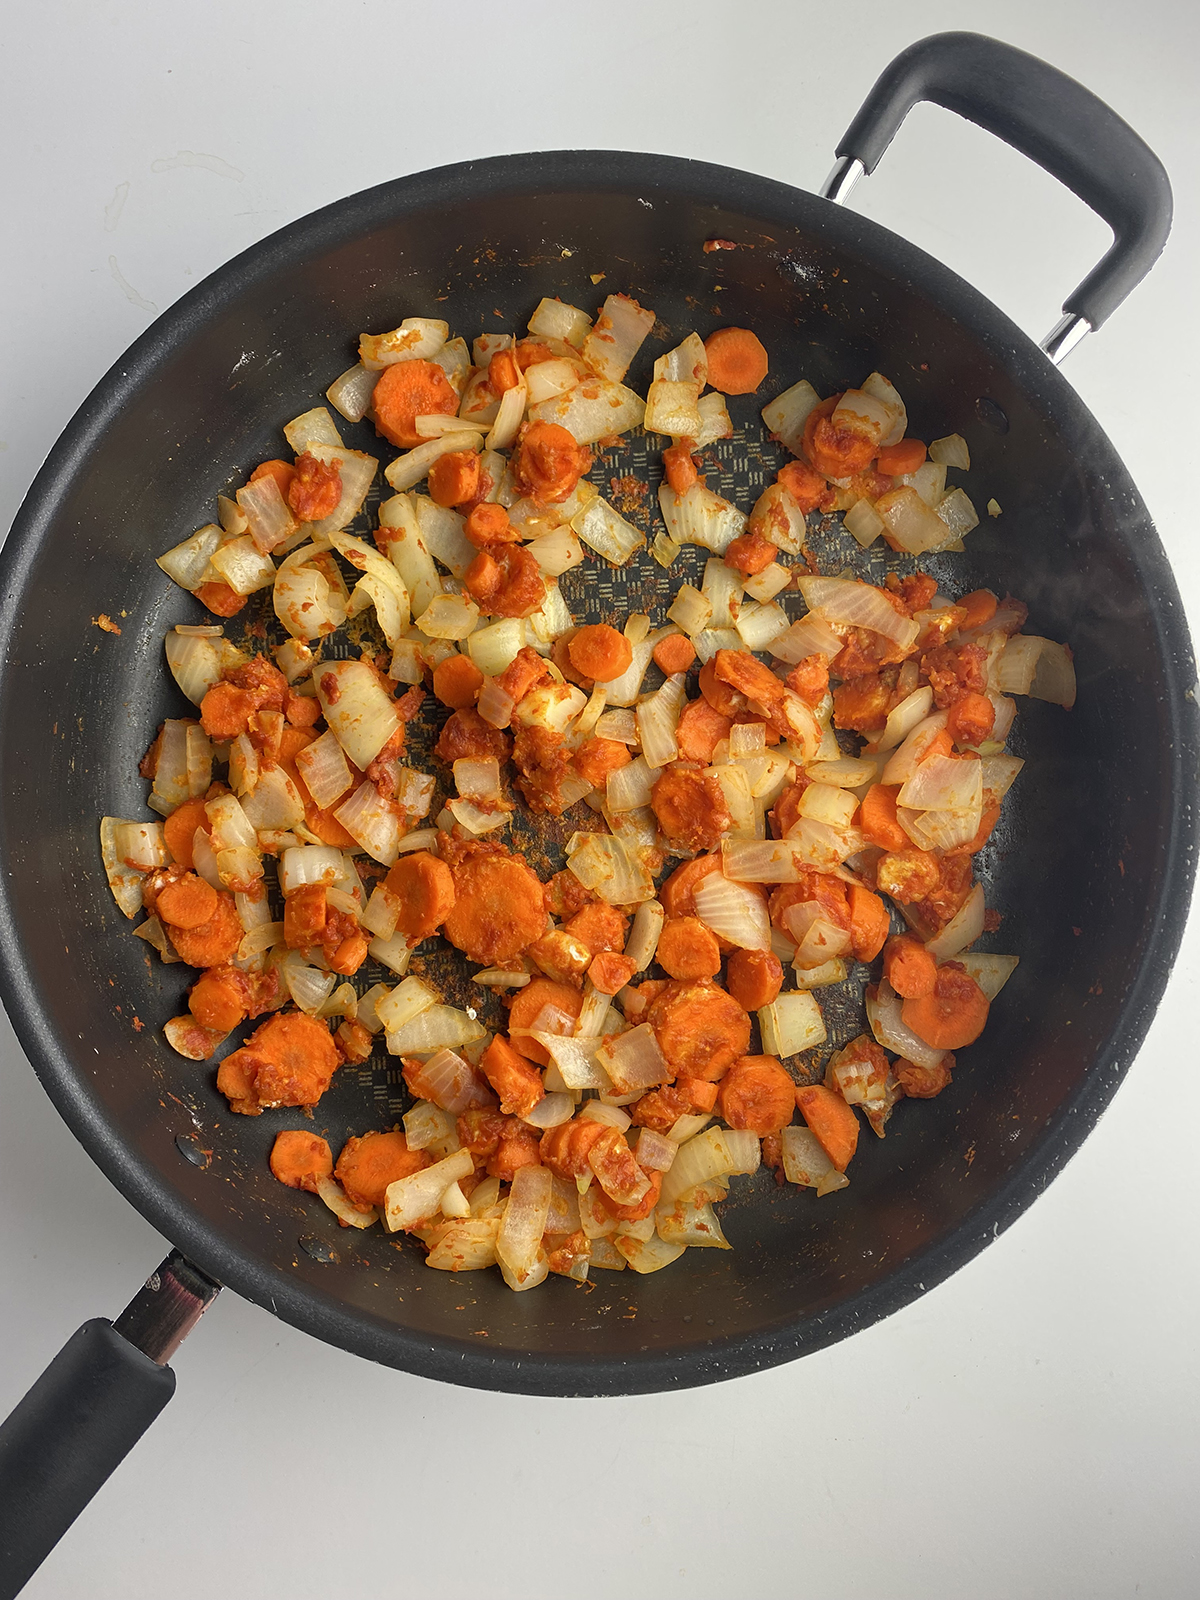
(1052, 119)
(66, 1437)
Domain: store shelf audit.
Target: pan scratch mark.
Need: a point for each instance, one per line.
(114, 208)
(127, 289)
(196, 158)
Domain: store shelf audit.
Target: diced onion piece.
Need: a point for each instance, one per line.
(547, 379)
(381, 913)
(739, 802)
(760, 625)
(759, 861)
(574, 1058)
(810, 636)
(951, 452)
(409, 469)
(551, 1111)
(701, 517)
(439, 1028)
(550, 705)
(648, 1255)
(634, 1061)
(124, 880)
(187, 563)
(554, 319)
(406, 1001)
(343, 1208)
(406, 666)
(883, 1013)
(267, 513)
(629, 787)
(308, 986)
(821, 977)
(603, 865)
(848, 772)
(476, 819)
(714, 420)
(454, 1203)
(845, 602)
(592, 410)
(863, 522)
(733, 911)
(556, 552)
(786, 415)
(361, 716)
(274, 803)
(962, 930)
(747, 739)
(903, 718)
(772, 580)
(687, 363)
(642, 943)
(791, 1023)
(700, 1159)
(913, 749)
(618, 724)
(990, 972)
(408, 550)
(241, 565)
(495, 705)
(410, 1200)
(692, 1225)
(657, 718)
(999, 774)
(804, 1159)
(880, 387)
(690, 609)
(426, 1124)
(466, 1246)
(1039, 667)
(606, 532)
(745, 1151)
(153, 932)
(372, 822)
(311, 427)
(911, 523)
(494, 647)
(416, 339)
(450, 1082)
(929, 480)
(943, 783)
(302, 598)
(324, 769)
(673, 408)
(308, 864)
(442, 530)
(394, 953)
(722, 588)
(508, 418)
(449, 616)
(612, 343)
(519, 1241)
(195, 664)
(455, 361)
(958, 513)
(654, 1151)
(228, 824)
(435, 427)
(351, 392)
(865, 414)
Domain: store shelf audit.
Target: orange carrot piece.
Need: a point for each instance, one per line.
(526, 1004)
(701, 1094)
(750, 553)
(349, 955)
(600, 652)
(869, 923)
(218, 999)
(457, 682)
(679, 465)
(301, 1159)
(454, 478)
(756, 1093)
(970, 719)
(368, 1165)
(700, 730)
(305, 914)
(980, 607)
(737, 362)
(189, 902)
(220, 599)
(408, 390)
(180, 827)
(909, 968)
(598, 757)
(489, 523)
(225, 711)
(952, 1016)
(548, 463)
(423, 887)
(515, 1079)
(831, 1119)
(282, 471)
(316, 489)
(213, 942)
(301, 710)
(503, 371)
(897, 460)
(754, 978)
(674, 654)
(687, 949)
(805, 485)
(877, 817)
(610, 971)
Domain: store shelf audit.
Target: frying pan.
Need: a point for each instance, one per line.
(1092, 875)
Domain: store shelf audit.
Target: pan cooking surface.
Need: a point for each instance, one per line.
(1085, 873)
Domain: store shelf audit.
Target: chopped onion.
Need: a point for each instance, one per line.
(603, 865)
(777, 517)
(619, 330)
(361, 716)
(700, 1159)
(958, 513)
(825, 803)
(455, 361)
(847, 772)
(324, 769)
(634, 1060)
(739, 802)
(905, 716)
(426, 1124)
(274, 803)
(153, 932)
(124, 880)
(311, 427)
(673, 408)
(745, 1151)
(690, 609)
(619, 724)
(416, 339)
(606, 532)
(654, 1151)
(722, 588)
(449, 616)
(308, 986)
(351, 393)
(267, 513)
(187, 563)
(406, 1001)
(1039, 667)
(911, 753)
(990, 972)
(204, 859)
(863, 413)
(545, 380)
(999, 774)
(556, 552)
(759, 861)
(657, 718)
(694, 1226)
(574, 1058)
(411, 468)
(962, 930)
(878, 386)
(393, 953)
(786, 415)
(804, 1159)
(772, 580)
(760, 625)
(791, 1023)
(335, 1197)
(409, 551)
(244, 766)
(450, 1082)
(439, 1028)
(847, 603)
(810, 636)
(551, 1111)
(821, 977)
(733, 911)
(592, 410)
(465, 1246)
(701, 517)
(412, 1199)
(943, 783)
(508, 418)
(519, 1242)
(648, 1255)
(553, 706)
(883, 1013)
(195, 664)
(863, 522)
(171, 785)
(642, 943)
(442, 531)
(804, 731)
(554, 319)
(372, 822)
(816, 844)
(302, 598)
(687, 363)
(229, 826)
(951, 452)
(714, 420)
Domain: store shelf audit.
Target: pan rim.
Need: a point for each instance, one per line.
(445, 1357)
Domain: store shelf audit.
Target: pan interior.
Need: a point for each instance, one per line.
(1079, 872)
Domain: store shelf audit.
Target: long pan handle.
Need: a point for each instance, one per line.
(1050, 118)
(86, 1412)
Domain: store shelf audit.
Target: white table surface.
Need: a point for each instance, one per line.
(1029, 1428)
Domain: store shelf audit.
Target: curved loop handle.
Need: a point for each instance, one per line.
(1049, 117)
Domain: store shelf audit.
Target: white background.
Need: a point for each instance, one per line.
(1028, 1429)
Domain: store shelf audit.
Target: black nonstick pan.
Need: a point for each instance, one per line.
(1092, 874)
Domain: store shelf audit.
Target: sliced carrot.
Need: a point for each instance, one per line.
(674, 654)
(700, 1029)
(897, 460)
(610, 971)
(600, 652)
(756, 1093)
(869, 923)
(526, 1004)
(513, 1076)
(531, 352)
(877, 817)
(679, 465)
(302, 710)
(189, 902)
(408, 390)
(750, 553)
(215, 941)
(226, 710)
(454, 478)
(687, 949)
(423, 888)
(952, 1016)
(754, 978)
(909, 968)
(970, 719)
(677, 892)
(805, 485)
(548, 463)
(301, 1159)
(282, 471)
(599, 926)
(565, 1149)
(503, 372)
(489, 523)
(838, 452)
(737, 361)
(598, 757)
(368, 1165)
(220, 599)
(980, 607)
(305, 914)
(833, 1122)
(700, 730)
(180, 827)
(218, 999)
(457, 682)
(349, 955)
(526, 669)
(701, 1095)
(316, 489)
